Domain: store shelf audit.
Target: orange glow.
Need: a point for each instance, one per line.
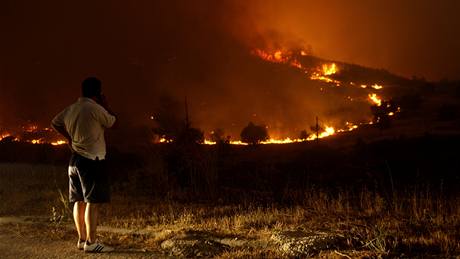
(30, 128)
(322, 73)
(58, 143)
(35, 135)
(376, 86)
(375, 99)
(36, 141)
(4, 135)
(278, 55)
(329, 69)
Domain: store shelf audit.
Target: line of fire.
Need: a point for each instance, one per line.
(329, 73)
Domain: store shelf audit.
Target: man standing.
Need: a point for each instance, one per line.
(83, 124)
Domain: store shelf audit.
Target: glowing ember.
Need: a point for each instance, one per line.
(374, 98)
(36, 141)
(377, 87)
(278, 56)
(165, 140)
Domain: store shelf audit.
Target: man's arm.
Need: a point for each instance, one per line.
(61, 130)
(104, 103)
(58, 125)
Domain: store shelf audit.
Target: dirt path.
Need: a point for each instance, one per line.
(23, 239)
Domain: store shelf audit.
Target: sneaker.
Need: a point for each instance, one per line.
(97, 248)
(80, 244)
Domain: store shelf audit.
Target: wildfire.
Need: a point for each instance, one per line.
(58, 143)
(374, 98)
(33, 134)
(377, 87)
(329, 69)
(4, 135)
(275, 57)
(164, 140)
(321, 73)
(329, 131)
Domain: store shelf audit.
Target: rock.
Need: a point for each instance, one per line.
(193, 245)
(304, 244)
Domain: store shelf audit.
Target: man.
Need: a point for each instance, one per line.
(83, 124)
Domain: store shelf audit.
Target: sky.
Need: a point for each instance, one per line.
(146, 51)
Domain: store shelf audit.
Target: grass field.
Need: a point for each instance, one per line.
(328, 222)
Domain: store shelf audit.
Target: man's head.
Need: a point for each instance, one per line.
(91, 87)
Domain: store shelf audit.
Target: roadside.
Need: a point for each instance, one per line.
(33, 238)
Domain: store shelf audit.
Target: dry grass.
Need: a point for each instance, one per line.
(412, 222)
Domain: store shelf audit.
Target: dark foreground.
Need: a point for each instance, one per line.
(395, 197)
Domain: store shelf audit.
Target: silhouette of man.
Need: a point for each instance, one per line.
(83, 124)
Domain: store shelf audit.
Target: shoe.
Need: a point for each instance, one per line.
(80, 244)
(97, 248)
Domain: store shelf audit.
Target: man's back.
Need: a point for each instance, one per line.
(85, 121)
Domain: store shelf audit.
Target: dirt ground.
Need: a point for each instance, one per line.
(32, 240)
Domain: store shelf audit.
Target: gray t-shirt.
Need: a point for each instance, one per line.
(85, 121)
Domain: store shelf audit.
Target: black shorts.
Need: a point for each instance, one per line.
(88, 180)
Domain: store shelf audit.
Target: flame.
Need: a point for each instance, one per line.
(30, 128)
(36, 141)
(329, 69)
(321, 73)
(276, 57)
(374, 98)
(4, 135)
(209, 142)
(34, 135)
(58, 143)
(377, 87)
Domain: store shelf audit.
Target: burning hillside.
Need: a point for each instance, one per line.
(32, 134)
(334, 83)
(332, 79)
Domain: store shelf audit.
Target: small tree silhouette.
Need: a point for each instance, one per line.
(303, 135)
(191, 136)
(217, 135)
(254, 134)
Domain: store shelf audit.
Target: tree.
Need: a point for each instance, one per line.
(303, 135)
(168, 120)
(217, 135)
(254, 134)
(191, 136)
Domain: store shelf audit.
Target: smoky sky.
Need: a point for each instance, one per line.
(145, 50)
(410, 37)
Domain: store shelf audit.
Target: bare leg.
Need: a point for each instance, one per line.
(91, 221)
(79, 218)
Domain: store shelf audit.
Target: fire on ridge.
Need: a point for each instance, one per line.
(324, 72)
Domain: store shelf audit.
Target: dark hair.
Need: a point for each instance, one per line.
(91, 87)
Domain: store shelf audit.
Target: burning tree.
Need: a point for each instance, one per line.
(303, 135)
(217, 135)
(254, 134)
